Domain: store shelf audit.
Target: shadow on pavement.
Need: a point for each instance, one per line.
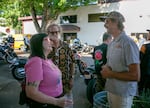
(9, 93)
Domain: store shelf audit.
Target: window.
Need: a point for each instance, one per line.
(82, 2)
(108, 1)
(95, 17)
(68, 19)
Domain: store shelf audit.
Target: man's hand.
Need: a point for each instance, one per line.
(106, 71)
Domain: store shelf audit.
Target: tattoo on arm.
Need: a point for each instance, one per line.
(32, 84)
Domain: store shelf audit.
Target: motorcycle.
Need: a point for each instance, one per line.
(80, 63)
(90, 79)
(7, 53)
(17, 68)
(89, 74)
(87, 48)
(83, 48)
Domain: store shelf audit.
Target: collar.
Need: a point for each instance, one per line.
(62, 44)
(119, 37)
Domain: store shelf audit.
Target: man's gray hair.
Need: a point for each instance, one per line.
(52, 25)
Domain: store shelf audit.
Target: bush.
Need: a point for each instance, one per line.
(143, 100)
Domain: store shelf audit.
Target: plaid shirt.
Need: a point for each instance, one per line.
(63, 57)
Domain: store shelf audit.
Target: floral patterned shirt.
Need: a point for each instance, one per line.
(63, 57)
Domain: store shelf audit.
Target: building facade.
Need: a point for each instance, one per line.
(85, 24)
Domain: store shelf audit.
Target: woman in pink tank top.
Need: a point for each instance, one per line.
(43, 78)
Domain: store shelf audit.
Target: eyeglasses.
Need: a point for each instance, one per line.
(53, 32)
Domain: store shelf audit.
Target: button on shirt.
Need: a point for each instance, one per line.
(121, 53)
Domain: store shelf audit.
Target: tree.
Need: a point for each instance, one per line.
(9, 13)
(47, 9)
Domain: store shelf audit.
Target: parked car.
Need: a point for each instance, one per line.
(19, 41)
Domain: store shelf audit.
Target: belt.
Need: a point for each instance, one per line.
(40, 105)
(34, 104)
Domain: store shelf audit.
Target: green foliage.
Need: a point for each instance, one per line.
(142, 101)
(11, 10)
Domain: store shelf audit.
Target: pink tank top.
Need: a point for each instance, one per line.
(38, 69)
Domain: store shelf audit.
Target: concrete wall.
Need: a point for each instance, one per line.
(29, 28)
(136, 13)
